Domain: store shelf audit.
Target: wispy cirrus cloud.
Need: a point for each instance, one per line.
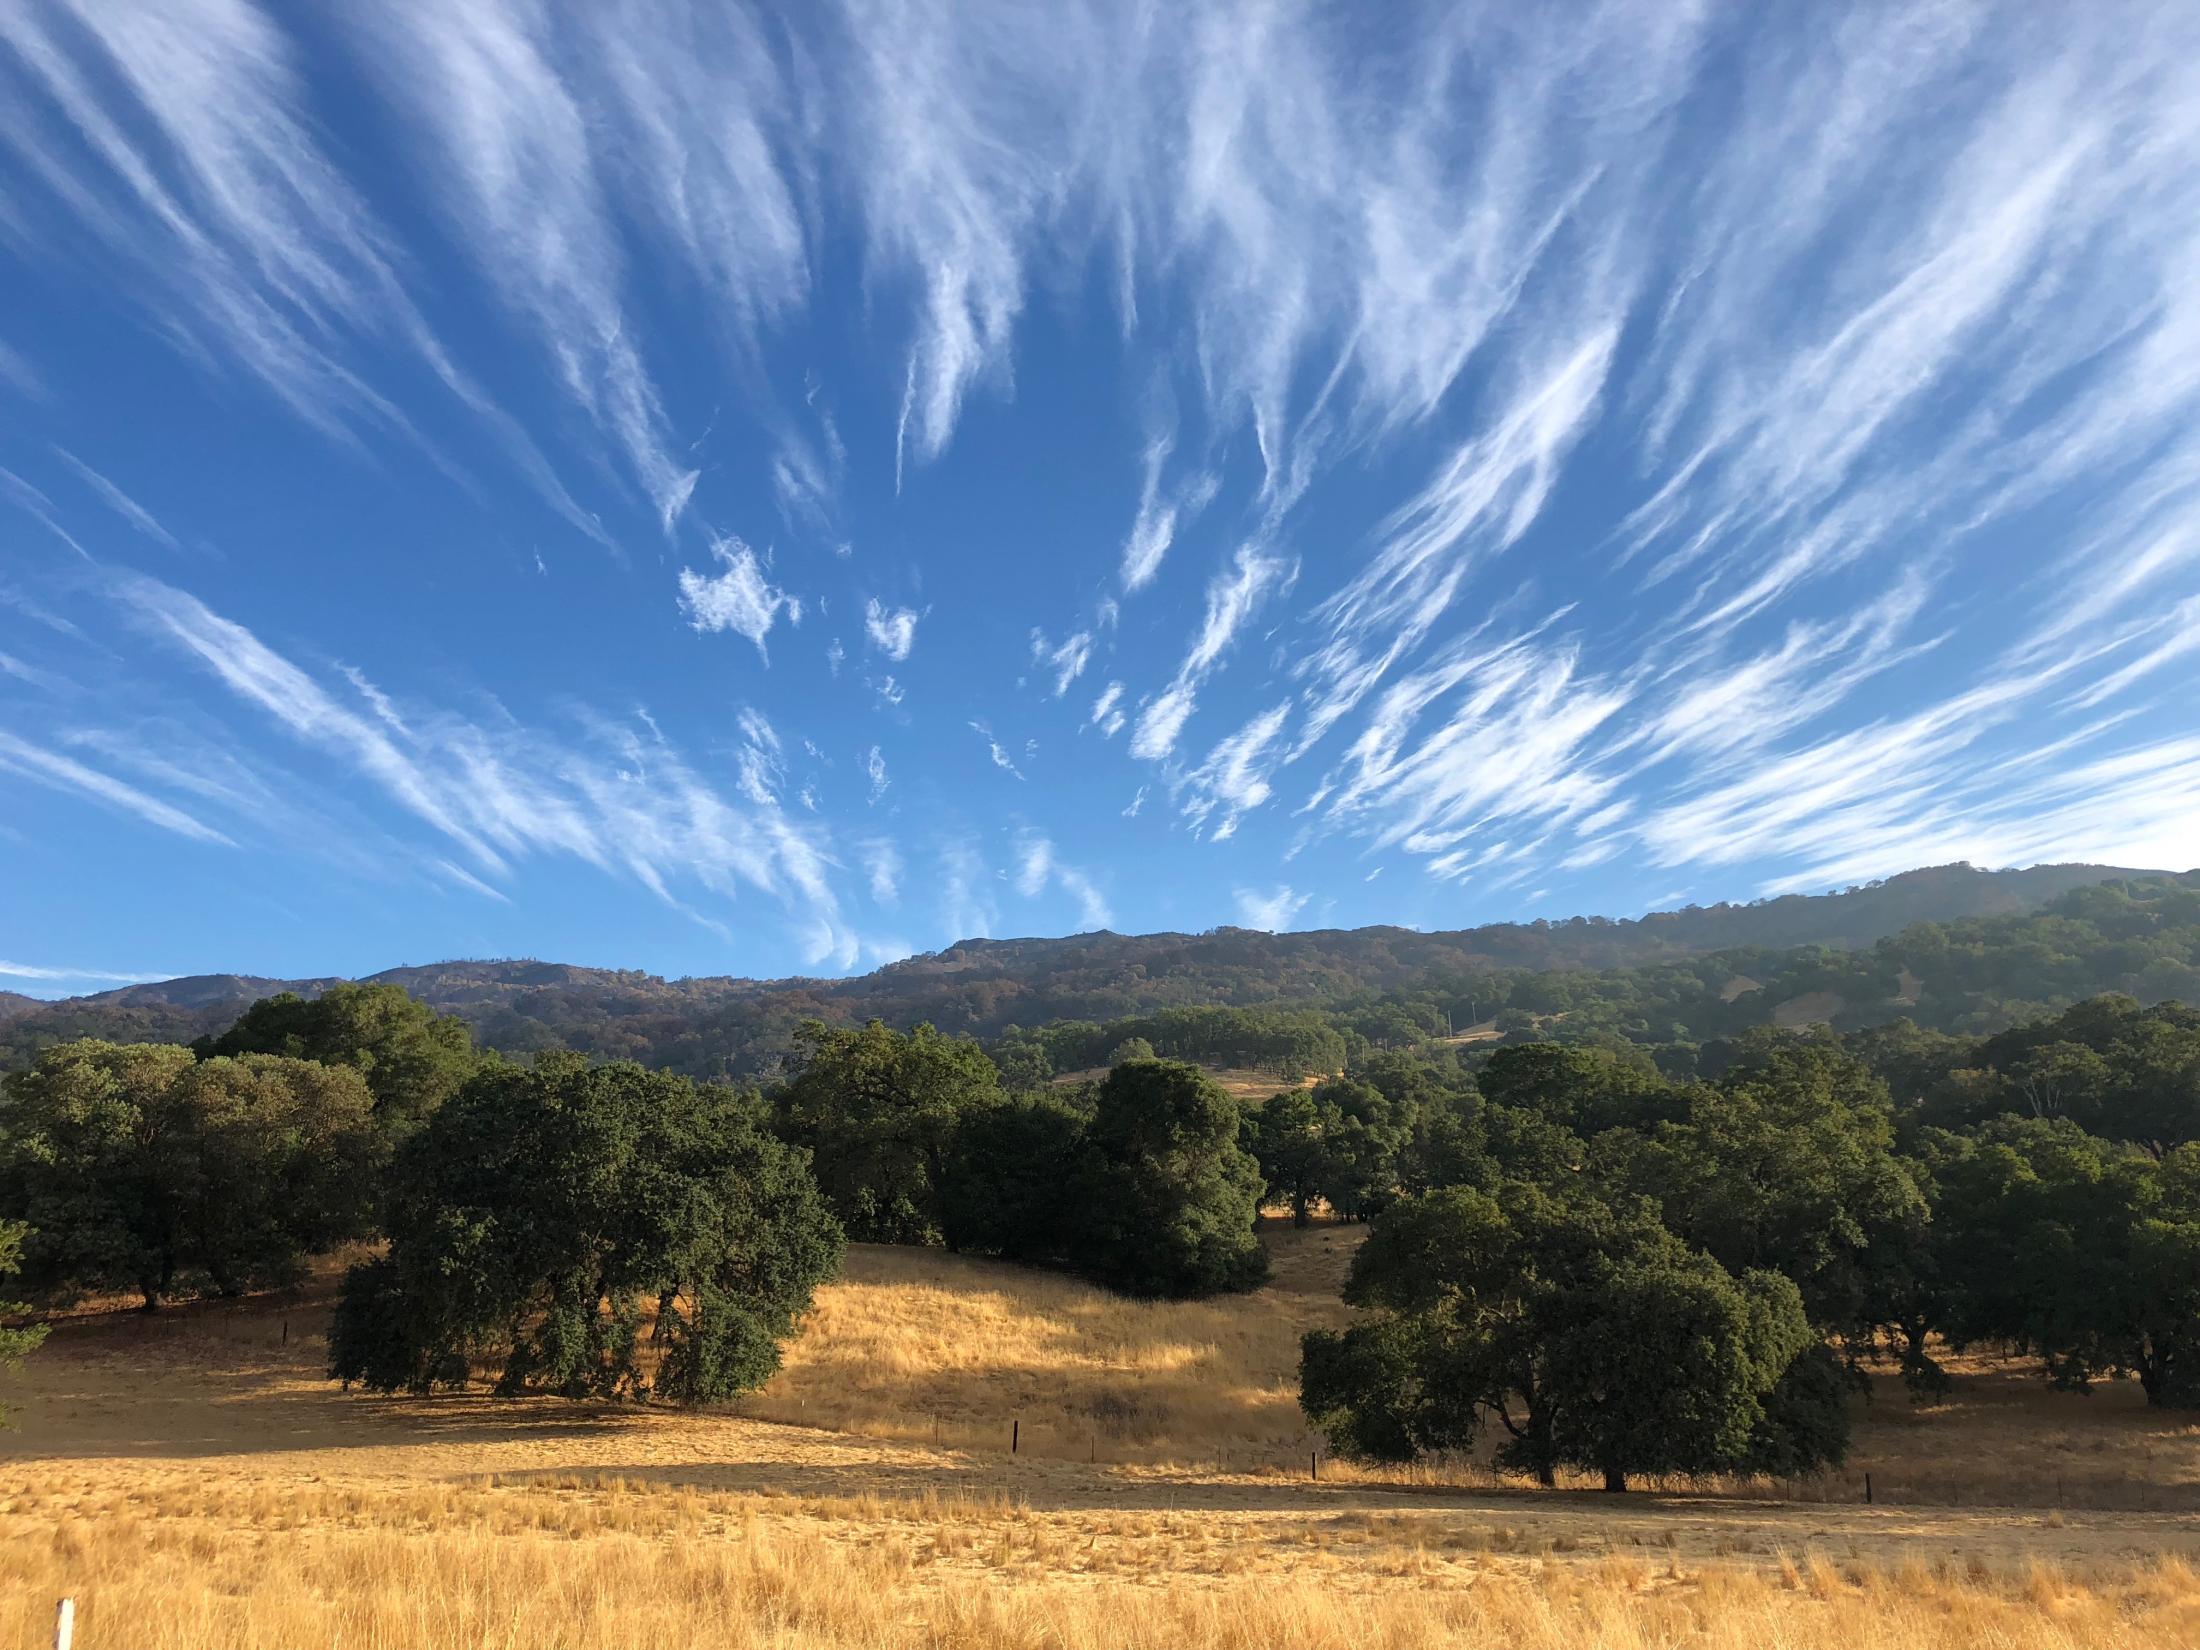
(1234, 778)
(890, 630)
(740, 599)
(1039, 867)
(1641, 437)
(622, 801)
(1065, 660)
(174, 142)
(47, 767)
(1001, 758)
(74, 976)
(1232, 597)
(1107, 712)
(1273, 911)
(1159, 512)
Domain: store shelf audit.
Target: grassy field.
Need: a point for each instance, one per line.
(192, 1483)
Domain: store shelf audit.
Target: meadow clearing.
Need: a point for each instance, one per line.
(192, 1482)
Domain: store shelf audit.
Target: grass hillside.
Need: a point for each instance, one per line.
(194, 1483)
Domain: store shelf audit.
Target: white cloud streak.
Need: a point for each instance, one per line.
(891, 630)
(66, 774)
(1272, 911)
(1039, 867)
(1232, 597)
(741, 599)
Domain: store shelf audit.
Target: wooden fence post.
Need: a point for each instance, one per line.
(64, 1624)
(1015, 1435)
(1314, 1464)
(1867, 1489)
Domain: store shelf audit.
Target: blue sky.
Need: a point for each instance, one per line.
(768, 490)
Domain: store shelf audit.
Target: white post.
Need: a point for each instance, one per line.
(64, 1623)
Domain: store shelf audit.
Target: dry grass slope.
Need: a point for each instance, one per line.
(194, 1484)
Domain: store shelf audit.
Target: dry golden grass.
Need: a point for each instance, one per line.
(918, 1344)
(547, 1565)
(1238, 1082)
(192, 1481)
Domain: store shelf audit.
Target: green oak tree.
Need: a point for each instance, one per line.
(541, 1216)
(877, 1109)
(1586, 1332)
(1166, 1199)
(2082, 1251)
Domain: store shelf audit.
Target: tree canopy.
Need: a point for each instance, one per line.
(878, 1109)
(541, 1216)
(1166, 1200)
(138, 1167)
(1590, 1335)
(411, 1057)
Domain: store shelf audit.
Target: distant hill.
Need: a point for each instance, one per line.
(982, 986)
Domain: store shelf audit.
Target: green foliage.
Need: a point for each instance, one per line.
(1166, 1198)
(1789, 1165)
(1589, 1334)
(1023, 1064)
(1291, 1042)
(2118, 1070)
(18, 1343)
(1008, 1169)
(1582, 1089)
(540, 1213)
(878, 1110)
(411, 1057)
(2084, 1252)
(138, 1167)
(1345, 1143)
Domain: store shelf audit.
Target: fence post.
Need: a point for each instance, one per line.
(1867, 1489)
(64, 1624)
(1314, 1464)
(1015, 1435)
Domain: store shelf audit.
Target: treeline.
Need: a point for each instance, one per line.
(1634, 1273)
(1291, 1043)
(592, 1229)
(1629, 1258)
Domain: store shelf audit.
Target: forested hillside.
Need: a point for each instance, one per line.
(1680, 975)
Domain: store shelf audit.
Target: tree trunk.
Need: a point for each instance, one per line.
(2150, 1371)
(1547, 1476)
(1615, 1481)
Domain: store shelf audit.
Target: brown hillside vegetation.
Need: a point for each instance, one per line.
(193, 1483)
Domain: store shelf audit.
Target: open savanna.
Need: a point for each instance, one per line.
(193, 1483)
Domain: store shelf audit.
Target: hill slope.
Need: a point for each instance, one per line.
(982, 986)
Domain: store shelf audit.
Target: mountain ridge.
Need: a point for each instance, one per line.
(982, 985)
